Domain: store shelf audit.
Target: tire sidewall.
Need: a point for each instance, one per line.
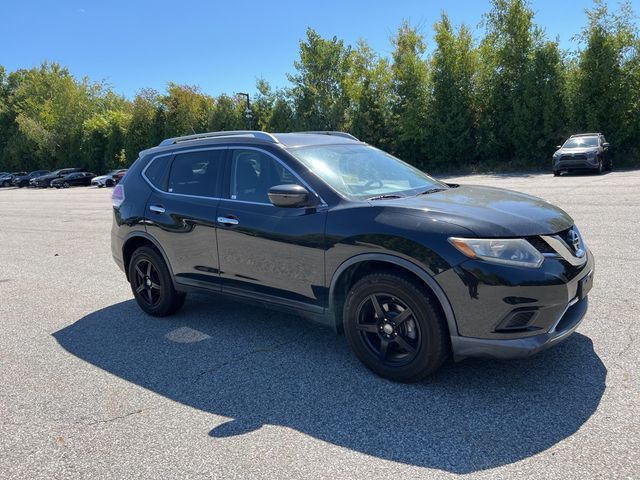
(430, 355)
(168, 295)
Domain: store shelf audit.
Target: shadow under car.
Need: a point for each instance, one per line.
(260, 367)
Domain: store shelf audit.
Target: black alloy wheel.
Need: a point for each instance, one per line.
(388, 328)
(151, 283)
(395, 328)
(147, 282)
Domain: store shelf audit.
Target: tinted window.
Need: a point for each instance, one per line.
(253, 173)
(195, 173)
(157, 172)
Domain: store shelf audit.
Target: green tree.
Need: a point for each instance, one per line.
(410, 95)
(318, 90)
(186, 110)
(606, 74)
(143, 132)
(228, 114)
(369, 88)
(452, 132)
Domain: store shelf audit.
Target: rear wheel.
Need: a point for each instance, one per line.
(151, 283)
(394, 328)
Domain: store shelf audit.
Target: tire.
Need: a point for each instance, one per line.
(556, 174)
(416, 346)
(100, 185)
(65, 185)
(151, 283)
(6, 184)
(600, 168)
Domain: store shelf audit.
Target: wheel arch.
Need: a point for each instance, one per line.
(344, 274)
(138, 239)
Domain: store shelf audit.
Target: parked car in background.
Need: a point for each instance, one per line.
(583, 151)
(107, 180)
(45, 180)
(412, 269)
(23, 180)
(119, 176)
(6, 179)
(76, 179)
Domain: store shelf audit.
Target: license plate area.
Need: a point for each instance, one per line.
(584, 285)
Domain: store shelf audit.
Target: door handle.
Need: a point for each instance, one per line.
(228, 221)
(157, 208)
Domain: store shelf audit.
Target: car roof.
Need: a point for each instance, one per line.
(585, 135)
(253, 137)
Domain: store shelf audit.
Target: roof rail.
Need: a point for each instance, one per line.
(336, 134)
(231, 133)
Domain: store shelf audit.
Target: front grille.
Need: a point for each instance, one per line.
(565, 235)
(540, 245)
(579, 157)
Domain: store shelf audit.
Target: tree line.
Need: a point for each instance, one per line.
(502, 102)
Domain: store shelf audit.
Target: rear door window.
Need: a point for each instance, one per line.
(195, 173)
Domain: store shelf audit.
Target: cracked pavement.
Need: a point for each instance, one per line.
(90, 387)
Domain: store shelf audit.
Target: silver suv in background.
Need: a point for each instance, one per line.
(583, 151)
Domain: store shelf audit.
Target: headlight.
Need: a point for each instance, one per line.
(510, 251)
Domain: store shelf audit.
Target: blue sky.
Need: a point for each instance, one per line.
(223, 46)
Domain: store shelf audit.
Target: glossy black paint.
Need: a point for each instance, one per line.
(298, 258)
(45, 180)
(73, 180)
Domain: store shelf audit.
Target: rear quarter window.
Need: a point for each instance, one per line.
(157, 172)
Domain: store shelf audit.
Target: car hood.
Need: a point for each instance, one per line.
(100, 178)
(582, 150)
(488, 212)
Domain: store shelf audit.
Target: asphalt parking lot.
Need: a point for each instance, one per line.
(92, 388)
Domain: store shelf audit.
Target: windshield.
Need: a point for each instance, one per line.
(362, 171)
(580, 142)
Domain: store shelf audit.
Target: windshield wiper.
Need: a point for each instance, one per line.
(431, 190)
(384, 197)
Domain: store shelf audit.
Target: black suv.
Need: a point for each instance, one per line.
(583, 151)
(323, 225)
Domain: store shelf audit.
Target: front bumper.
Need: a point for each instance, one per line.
(575, 164)
(522, 347)
(485, 297)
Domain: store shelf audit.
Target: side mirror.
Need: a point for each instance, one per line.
(605, 145)
(558, 147)
(289, 196)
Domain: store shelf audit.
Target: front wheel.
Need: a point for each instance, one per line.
(6, 184)
(151, 284)
(394, 327)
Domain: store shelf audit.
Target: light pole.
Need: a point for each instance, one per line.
(247, 112)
